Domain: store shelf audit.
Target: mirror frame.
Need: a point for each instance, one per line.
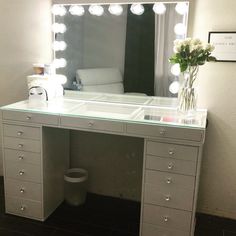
(106, 2)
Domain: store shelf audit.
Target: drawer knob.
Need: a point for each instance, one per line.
(22, 208)
(21, 157)
(168, 180)
(171, 152)
(19, 133)
(167, 198)
(166, 219)
(90, 124)
(170, 166)
(20, 145)
(21, 172)
(28, 117)
(162, 132)
(22, 190)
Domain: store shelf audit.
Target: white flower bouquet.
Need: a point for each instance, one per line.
(189, 55)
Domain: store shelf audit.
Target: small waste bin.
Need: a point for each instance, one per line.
(75, 186)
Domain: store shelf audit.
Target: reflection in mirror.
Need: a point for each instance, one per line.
(121, 49)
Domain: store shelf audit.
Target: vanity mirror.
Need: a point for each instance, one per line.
(118, 48)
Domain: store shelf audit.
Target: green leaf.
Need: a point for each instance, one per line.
(211, 58)
(200, 63)
(183, 67)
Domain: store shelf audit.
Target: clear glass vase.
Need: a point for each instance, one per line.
(187, 96)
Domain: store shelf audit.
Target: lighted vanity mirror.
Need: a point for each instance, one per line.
(118, 48)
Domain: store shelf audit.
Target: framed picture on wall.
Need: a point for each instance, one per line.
(225, 45)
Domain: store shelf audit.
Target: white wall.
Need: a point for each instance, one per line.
(25, 39)
(217, 83)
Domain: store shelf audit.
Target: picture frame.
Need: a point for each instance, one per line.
(225, 45)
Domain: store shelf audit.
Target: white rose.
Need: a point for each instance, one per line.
(209, 47)
(177, 42)
(196, 41)
(177, 48)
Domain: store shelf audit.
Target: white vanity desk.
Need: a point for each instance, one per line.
(36, 150)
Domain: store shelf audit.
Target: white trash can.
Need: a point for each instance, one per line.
(75, 186)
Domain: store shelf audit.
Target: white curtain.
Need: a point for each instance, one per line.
(164, 37)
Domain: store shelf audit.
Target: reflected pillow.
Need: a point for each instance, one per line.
(98, 76)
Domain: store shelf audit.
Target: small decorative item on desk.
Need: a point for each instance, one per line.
(38, 68)
(189, 55)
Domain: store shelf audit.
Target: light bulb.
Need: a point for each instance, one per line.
(174, 87)
(58, 28)
(59, 63)
(76, 10)
(181, 8)
(59, 45)
(137, 9)
(96, 10)
(61, 79)
(115, 9)
(159, 8)
(175, 69)
(58, 10)
(180, 29)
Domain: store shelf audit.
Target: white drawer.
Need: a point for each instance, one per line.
(23, 207)
(166, 132)
(22, 144)
(21, 157)
(152, 230)
(92, 124)
(30, 117)
(176, 151)
(23, 172)
(169, 197)
(167, 217)
(171, 165)
(22, 189)
(21, 131)
(164, 179)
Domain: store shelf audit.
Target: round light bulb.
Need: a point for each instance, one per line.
(174, 87)
(59, 63)
(180, 29)
(115, 9)
(137, 9)
(76, 10)
(59, 45)
(96, 10)
(159, 8)
(61, 79)
(181, 8)
(58, 28)
(175, 69)
(58, 10)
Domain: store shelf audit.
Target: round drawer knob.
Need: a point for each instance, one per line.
(171, 152)
(170, 166)
(167, 198)
(168, 180)
(21, 172)
(166, 219)
(22, 190)
(19, 133)
(90, 124)
(20, 145)
(162, 132)
(22, 208)
(28, 117)
(21, 157)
